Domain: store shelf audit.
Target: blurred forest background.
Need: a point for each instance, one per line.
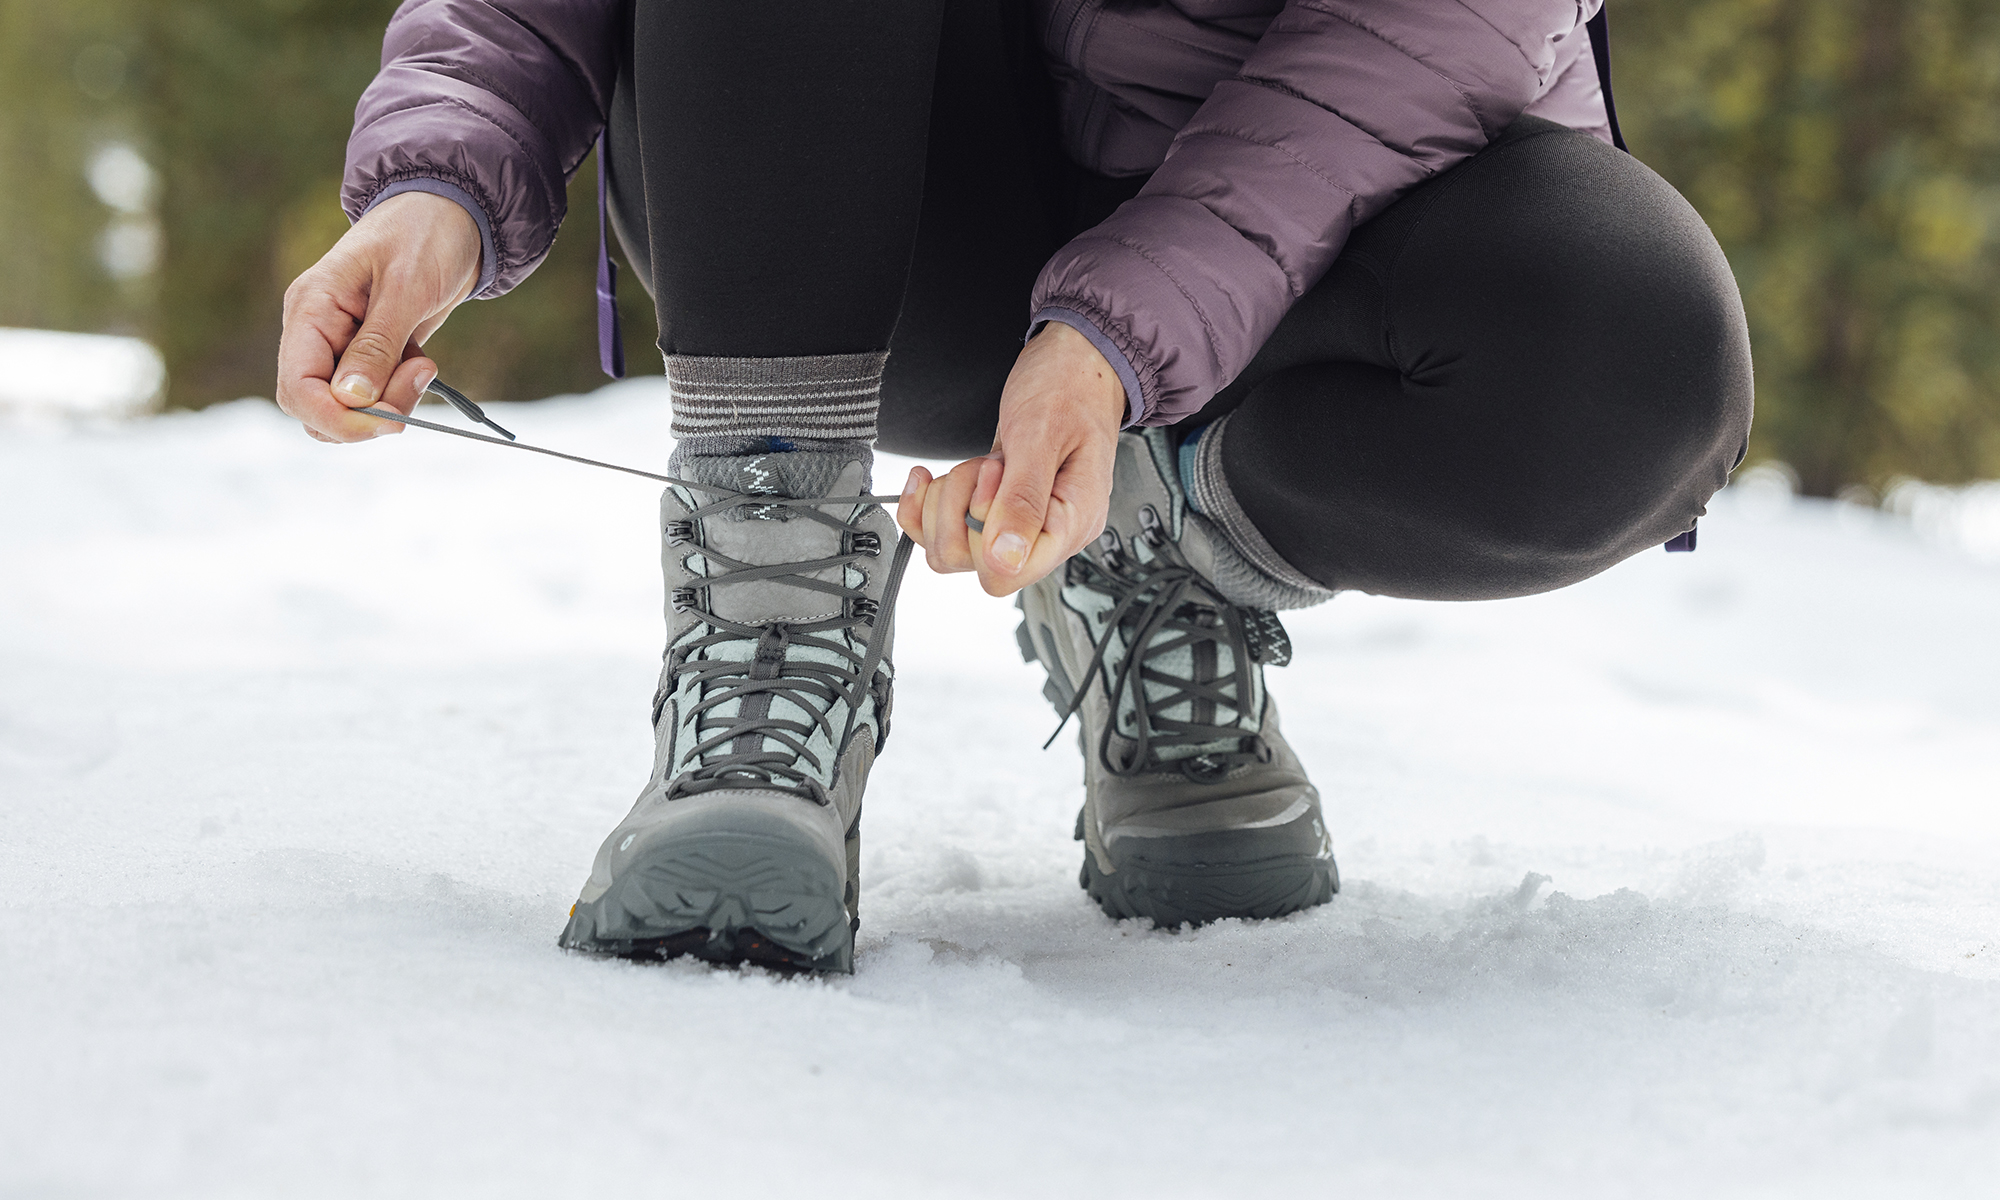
(167, 167)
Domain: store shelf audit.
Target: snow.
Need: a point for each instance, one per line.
(56, 376)
(1967, 517)
(1681, 881)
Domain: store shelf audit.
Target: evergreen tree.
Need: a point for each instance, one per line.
(1847, 154)
(242, 108)
(68, 82)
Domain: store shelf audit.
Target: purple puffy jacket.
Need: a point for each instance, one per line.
(1272, 128)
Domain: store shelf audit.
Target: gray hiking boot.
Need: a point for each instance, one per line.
(745, 844)
(1194, 807)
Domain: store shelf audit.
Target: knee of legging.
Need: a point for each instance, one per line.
(1479, 497)
(1587, 504)
(1631, 357)
(1555, 243)
(1672, 420)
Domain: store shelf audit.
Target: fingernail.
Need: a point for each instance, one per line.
(424, 380)
(385, 429)
(358, 387)
(910, 484)
(1011, 549)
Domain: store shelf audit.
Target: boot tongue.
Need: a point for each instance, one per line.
(773, 535)
(772, 467)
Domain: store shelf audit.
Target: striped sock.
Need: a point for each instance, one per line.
(826, 397)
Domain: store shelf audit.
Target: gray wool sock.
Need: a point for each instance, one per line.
(1248, 571)
(824, 397)
(786, 426)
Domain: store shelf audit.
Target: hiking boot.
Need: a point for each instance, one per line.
(1194, 806)
(745, 844)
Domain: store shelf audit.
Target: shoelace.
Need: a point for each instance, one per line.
(1168, 607)
(814, 687)
(772, 673)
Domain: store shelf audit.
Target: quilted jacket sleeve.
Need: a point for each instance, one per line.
(1342, 106)
(494, 103)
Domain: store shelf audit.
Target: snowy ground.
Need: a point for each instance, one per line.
(50, 376)
(1683, 881)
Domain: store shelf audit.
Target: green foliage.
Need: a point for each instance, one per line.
(1847, 155)
(243, 107)
(247, 105)
(64, 73)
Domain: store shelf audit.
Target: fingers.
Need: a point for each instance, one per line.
(1053, 511)
(1020, 502)
(1047, 505)
(406, 388)
(910, 509)
(985, 489)
(355, 322)
(380, 347)
(320, 323)
(1051, 549)
(933, 511)
(306, 357)
(317, 325)
(947, 540)
(1008, 496)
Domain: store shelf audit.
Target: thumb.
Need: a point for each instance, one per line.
(379, 346)
(1013, 521)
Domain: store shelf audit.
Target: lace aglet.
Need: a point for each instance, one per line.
(458, 400)
(1059, 728)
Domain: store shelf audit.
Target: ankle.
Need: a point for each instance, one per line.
(780, 466)
(1249, 572)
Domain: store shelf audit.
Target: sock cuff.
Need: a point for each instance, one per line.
(1260, 577)
(831, 397)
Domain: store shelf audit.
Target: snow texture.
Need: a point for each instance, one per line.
(1678, 882)
(57, 376)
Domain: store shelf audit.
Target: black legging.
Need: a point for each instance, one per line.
(1525, 370)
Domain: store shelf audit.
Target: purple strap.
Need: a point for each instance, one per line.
(610, 339)
(1599, 28)
(1682, 543)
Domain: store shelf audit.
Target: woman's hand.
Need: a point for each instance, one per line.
(361, 314)
(1043, 492)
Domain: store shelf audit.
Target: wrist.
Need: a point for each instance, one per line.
(440, 219)
(441, 228)
(1089, 374)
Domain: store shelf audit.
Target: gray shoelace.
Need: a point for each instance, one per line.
(1166, 607)
(751, 746)
(765, 751)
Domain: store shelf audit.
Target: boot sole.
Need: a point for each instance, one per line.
(1171, 896)
(728, 897)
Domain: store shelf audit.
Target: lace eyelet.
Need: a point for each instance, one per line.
(1110, 548)
(1151, 528)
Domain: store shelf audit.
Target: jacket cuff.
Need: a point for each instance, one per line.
(1135, 401)
(489, 262)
